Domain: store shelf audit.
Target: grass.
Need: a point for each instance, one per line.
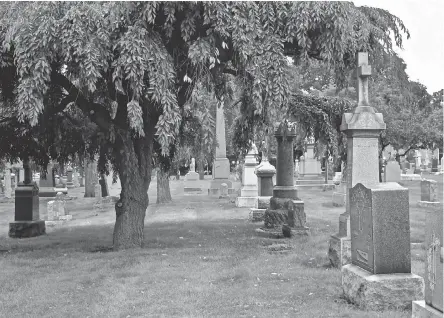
(200, 258)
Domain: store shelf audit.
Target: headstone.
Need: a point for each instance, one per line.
(338, 197)
(192, 183)
(21, 175)
(285, 204)
(27, 221)
(379, 277)
(432, 305)
(221, 165)
(47, 182)
(98, 191)
(429, 193)
(8, 186)
(392, 172)
(418, 159)
(310, 168)
(223, 190)
(435, 160)
(57, 210)
(249, 190)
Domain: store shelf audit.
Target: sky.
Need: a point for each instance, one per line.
(424, 51)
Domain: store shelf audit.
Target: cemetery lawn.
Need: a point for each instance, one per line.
(201, 258)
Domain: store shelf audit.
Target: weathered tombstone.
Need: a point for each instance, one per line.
(47, 182)
(221, 165)
(223, 190)
(192, 183)
(91, 177)
(8, 186)
(249, 194)
(339, 195)
(98, 191)
(432, 305)
(310, 167)
(429, 193)
(27, 221)
(281, 212)
(392, 172)
(379, 277)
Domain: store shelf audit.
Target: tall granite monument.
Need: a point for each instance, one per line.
(379, 277)
(221, 165)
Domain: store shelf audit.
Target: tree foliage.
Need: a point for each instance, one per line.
(128, 68)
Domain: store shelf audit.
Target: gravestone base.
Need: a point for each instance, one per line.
(289, 231)
(23, 229)
(215, 186)
(380, 292)
(257, 215)
(190, 189)
(53, 223)
(62, 189)
(193, 185)
(47, 192)
(246, 202)
(339, 250)
(69, 184)
(273, 233)
(421, 310)
(410, 177)
(428, 204)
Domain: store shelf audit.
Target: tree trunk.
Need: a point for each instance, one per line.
(90, 177)
(163, 187)
(134, 164)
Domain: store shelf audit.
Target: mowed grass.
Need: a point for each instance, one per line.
(201, 258)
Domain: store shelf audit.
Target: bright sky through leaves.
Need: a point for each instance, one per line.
(424, 51)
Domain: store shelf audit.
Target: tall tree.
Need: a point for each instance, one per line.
(130, 67)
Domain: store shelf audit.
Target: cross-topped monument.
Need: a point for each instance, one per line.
(378, 237)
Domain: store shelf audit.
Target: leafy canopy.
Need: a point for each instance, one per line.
(136, 59)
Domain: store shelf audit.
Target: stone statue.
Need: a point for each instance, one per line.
(193, 165)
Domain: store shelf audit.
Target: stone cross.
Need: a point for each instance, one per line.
(364, 72)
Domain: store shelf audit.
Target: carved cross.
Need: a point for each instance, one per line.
(364, 71)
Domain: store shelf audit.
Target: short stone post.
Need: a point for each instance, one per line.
(27, 221)
(223, 191)
(286, 209)
(432, 305)
(379, 277)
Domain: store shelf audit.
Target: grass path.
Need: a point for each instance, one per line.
(201, 258)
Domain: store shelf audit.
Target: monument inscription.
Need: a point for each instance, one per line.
(361, 225)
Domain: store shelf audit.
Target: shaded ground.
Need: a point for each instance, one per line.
(201, 258)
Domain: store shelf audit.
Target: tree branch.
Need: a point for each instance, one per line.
(96, 112)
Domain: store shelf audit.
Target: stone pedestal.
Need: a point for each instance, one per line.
(286, 213)
(249, 190)
(69, 180)
(380, 292)
(27, 221)
(265, 172)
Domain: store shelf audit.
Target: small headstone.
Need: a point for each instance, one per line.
(392, 172)
(223, 190)
(50, 210)
(98, 191)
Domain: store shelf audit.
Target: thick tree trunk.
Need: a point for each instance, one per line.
(90, 177)
(163, 187)
(134, 162)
